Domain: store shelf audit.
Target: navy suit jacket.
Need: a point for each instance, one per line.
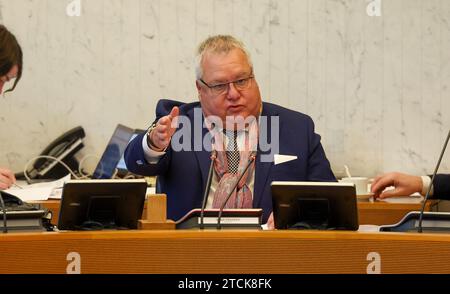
(182, 175)
(441, 186)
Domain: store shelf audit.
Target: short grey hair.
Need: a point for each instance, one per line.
(218, 44)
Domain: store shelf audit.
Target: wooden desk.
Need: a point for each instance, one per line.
(384, 213)
(376, 213)
(258, 252)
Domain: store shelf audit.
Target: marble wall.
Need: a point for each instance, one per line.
(377, 87)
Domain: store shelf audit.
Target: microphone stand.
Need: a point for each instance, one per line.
(207, 188)
(250, 160)
(2, 203)
(419, 229)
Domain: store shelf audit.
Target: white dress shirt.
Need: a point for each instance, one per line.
(426, 182)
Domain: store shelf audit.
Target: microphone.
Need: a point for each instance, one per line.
(249, 162)
(419, 229)
(208, 181)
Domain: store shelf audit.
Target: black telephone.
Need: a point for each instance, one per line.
(64, 148)
(14, 203)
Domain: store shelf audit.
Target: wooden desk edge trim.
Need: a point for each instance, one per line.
(141, 234)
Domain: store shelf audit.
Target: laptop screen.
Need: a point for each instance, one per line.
(113, 153)
(121, 166)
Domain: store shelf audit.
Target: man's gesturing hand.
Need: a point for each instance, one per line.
(165, 128)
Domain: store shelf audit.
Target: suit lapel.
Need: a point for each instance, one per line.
(203, 156)
(204, 160)
(262, 169)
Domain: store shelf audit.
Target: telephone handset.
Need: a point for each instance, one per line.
(64, 148)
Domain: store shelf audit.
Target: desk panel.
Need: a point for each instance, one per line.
(236, 252)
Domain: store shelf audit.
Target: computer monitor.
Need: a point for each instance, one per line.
(101, 204)
(114, 151)
(314, 205)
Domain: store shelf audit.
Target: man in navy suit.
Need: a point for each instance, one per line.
(405, 185)
(177, 147)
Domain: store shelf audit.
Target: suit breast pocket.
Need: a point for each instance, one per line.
(288, 171)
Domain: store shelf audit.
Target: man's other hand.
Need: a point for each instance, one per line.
(404, 185)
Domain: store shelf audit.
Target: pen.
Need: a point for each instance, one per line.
(20, 187)
(14, 184)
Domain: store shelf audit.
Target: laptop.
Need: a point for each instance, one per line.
(121, 166)
(106, 167)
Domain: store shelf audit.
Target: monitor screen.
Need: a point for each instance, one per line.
(314, 205)
(114, 151)
(101, 204)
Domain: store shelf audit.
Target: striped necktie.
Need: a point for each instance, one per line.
(233, 156)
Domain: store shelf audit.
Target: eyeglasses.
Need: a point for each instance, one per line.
(220, 89)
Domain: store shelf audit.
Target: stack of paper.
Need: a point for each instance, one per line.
(40, 191)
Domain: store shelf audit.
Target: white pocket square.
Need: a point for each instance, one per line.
(278, 158)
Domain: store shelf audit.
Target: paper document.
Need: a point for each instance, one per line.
(151, 191)
(40, 191)
(29, 194)
(368, 228)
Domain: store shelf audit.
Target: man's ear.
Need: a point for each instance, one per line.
(197, 84)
